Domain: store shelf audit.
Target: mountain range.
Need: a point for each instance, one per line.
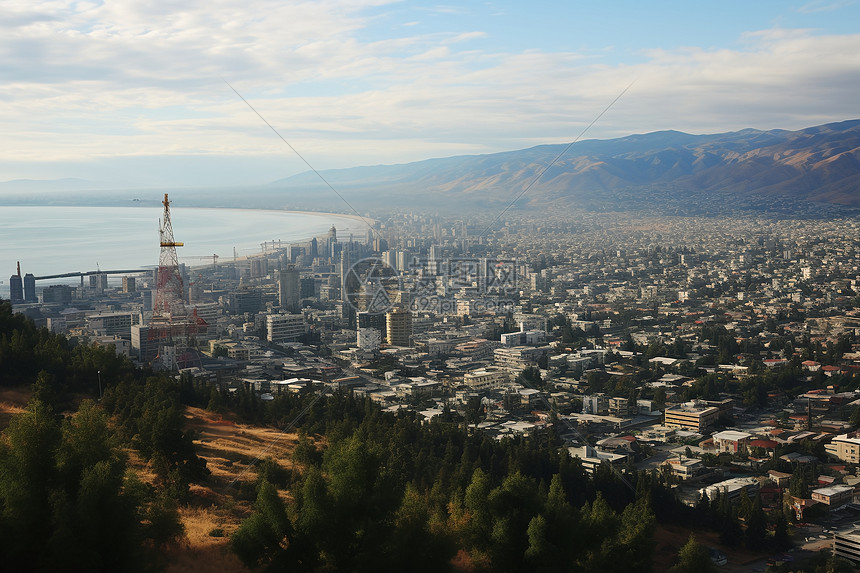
(808, 172)
(816, 166)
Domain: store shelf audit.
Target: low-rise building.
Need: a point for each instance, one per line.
(834, 495)
(732, 488)
(486, 378)
(685, 468)
(845, 447)
(691, 417)
(524, 338)
(591, 458)
(284, 327)
(731, 441)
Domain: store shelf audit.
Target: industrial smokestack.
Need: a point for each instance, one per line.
(19, 268)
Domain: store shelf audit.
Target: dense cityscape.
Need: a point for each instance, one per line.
(721, 353)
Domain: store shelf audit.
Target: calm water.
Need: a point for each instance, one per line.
(54, 240)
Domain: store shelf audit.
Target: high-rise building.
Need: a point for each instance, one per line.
(16, 287)
(398, 323)
(308, 288)
(128, 285)
(371, 320)
(289, 289)
(98, 282)
(30, 288)
(259, 267)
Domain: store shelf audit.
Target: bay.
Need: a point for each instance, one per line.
(50, 240)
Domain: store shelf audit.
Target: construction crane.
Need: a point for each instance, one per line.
(213, 256)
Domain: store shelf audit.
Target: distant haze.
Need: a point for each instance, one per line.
(796, 172)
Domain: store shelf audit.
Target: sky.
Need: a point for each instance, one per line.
(135, 94)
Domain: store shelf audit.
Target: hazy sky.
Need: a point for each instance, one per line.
(131, 92)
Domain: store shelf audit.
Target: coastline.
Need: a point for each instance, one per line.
(367, 221)
(359, 218)
(45, 249)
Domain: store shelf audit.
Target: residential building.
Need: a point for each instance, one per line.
(845, 447)
(517, 358)
(731, 441)
(834, 496)
(685, 468)
(732, 488)
(619, 407)
(398, 323)
(524, 338)
(597, 404)
(486, 378)
(112, 324)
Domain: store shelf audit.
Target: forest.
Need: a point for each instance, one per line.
(369, 490)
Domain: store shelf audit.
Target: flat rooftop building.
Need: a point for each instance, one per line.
(846, 544)
(691, 417)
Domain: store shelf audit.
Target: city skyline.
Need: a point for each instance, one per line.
(136, 96)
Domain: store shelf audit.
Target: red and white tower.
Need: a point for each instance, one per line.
(171, 326)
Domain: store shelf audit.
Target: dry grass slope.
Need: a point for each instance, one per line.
(231, 450)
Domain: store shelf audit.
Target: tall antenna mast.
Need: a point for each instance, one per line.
(171, 325)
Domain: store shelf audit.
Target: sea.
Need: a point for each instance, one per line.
(51, 240)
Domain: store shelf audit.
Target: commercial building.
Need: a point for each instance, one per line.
(284, 327)
(246, 301)
(289, 289)
(30, 288)
(16, 288)
(691, 417)
(846, 544)
(372, 320)
(591, 458)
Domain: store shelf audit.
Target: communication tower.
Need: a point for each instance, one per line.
(172, 327)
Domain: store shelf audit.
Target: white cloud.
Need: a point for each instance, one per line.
(88, 80)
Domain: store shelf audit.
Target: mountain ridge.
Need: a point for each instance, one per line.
(816, 164)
